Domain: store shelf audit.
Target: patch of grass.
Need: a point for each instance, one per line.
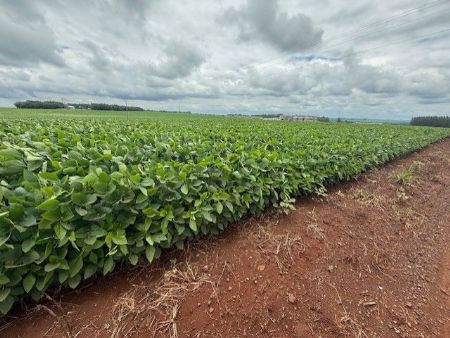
(403, 177)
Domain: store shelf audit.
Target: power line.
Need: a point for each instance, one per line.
(404, 40)
(402, 14)
(361, 29)
(401, 41)
(396, 26)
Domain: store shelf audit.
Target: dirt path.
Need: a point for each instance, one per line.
(445, 289)
(371, 259)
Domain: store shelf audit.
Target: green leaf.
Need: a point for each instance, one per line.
(133, 259)
(150, 253)
(63, 275)
(141, 198)
(158, 238)
(52, 215)
(219, 207)
(144, 191)
(97, 231)
(49, 267)
(207, 216)
(4, 293)
(74, 282)
(237, 174)
(11, 167)
(16, 211)
(6, 305)
(28, 221)
(10, 154)
(81, 211)
(49, 204)
(60, 231)
(28, 244)
(75, 266)
(101, 188)
(4, 279)
(90, 199)
(149, 239)
(28, 282)
(51, 176)
(23, 260)
(119, 238)
(109, 265)
(193, 224)
(83, 199)
(184, 189)
(90, 240)
(4, 235)
(90, 270)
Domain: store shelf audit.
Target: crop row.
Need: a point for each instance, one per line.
(77, 197)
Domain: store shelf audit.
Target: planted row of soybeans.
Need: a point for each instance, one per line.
(79, 196)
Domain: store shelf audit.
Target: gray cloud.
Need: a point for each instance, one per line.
(264, 20)
(429, 85)
(135, 10)
(25, 37)
(177, 60)
(21, 9)
(99, 59)
(180, 60)
(368, 78)
(163, 53)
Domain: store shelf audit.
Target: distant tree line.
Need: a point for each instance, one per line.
(431, 121)
(39, 104)
(266, 116)
(104, 106)
(170, 111)
(59, 105)
(275, 116)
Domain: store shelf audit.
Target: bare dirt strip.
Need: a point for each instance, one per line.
(370, 259)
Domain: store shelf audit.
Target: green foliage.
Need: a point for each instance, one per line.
(68, 114)
(79, 196)
(403, 177)
(39, 104)
(105, 106)
(431, 121)
(30, 104)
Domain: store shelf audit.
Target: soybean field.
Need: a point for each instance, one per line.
(82, 191)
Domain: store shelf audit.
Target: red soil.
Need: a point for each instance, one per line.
(370, 259)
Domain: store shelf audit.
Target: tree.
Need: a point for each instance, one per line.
(39, 104)
(431, 121)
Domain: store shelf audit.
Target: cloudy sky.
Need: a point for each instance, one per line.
(376, 59)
